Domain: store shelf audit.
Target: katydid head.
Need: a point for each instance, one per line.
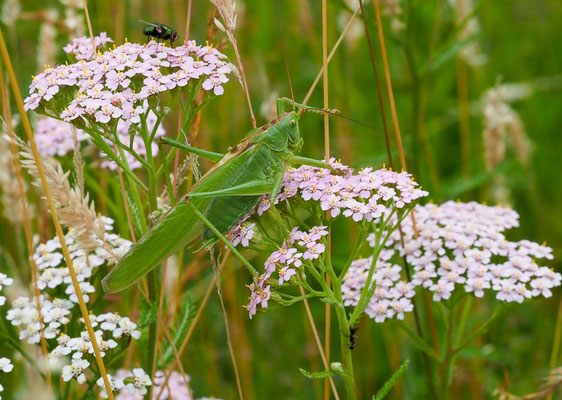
(289, 123)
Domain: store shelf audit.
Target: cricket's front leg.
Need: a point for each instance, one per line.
(215, 157)
(308, 161)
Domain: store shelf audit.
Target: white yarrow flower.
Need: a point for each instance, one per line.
(75, 370)
(6, 365)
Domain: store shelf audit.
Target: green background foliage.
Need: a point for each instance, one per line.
(522, 41)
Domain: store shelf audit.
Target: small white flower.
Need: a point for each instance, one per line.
(126, 328)
(5, 281)
(115, 384)
(75, 370)
(139, 381)
(6, 365)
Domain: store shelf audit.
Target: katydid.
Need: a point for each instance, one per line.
(223, 196)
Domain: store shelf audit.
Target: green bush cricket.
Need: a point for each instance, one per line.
(222, 197)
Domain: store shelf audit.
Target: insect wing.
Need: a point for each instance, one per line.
(181, 226)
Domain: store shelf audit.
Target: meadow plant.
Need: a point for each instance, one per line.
(115, 99)
(452, 245)
(115, 95)
(377, 201)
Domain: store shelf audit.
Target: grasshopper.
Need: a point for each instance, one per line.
(221, 197)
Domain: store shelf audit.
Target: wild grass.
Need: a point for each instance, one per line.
(442, 71)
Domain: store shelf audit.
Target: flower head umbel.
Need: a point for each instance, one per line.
(369, 198)
(364, 195)
(119, 84)
(139, 382)
(463, 245)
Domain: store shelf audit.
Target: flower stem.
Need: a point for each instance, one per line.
(447, 363)
(347, 362)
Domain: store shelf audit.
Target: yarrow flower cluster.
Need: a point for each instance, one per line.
(117, 84)
(53, 272)
(364, 195)
(299, 248)
(463, 244)
(392, 296)
(56, 138)
(110, 326)
(24, 314)
(241, 234)
(54, 279)
(367, 196)
(136, 382)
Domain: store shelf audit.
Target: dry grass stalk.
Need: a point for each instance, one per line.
(13, 209)
(74, 210)
(78, 162)
(227, 10)
(552, 383)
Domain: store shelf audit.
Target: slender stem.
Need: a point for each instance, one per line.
(447, 363)
(353, 255)
(195, 321)
(347, 362)
(169, 183)
(135, 194)
(464, 314)
(332, 52)
(228, 334)
(556, 344)
(318, 342)
(152, 277)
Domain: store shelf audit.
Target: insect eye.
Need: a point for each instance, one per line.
(292, 122)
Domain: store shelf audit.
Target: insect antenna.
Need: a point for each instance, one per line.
(337, 113)
(283, 49)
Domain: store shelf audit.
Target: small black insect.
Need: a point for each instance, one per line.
(160, 31)
(352, 337)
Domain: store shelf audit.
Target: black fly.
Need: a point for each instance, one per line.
(160, 31)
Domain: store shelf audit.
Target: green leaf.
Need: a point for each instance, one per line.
(448, 53)
(335, 368)
(317, 375)
(383, 391)
(179, 330)
(148, 314)
(135, 215)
